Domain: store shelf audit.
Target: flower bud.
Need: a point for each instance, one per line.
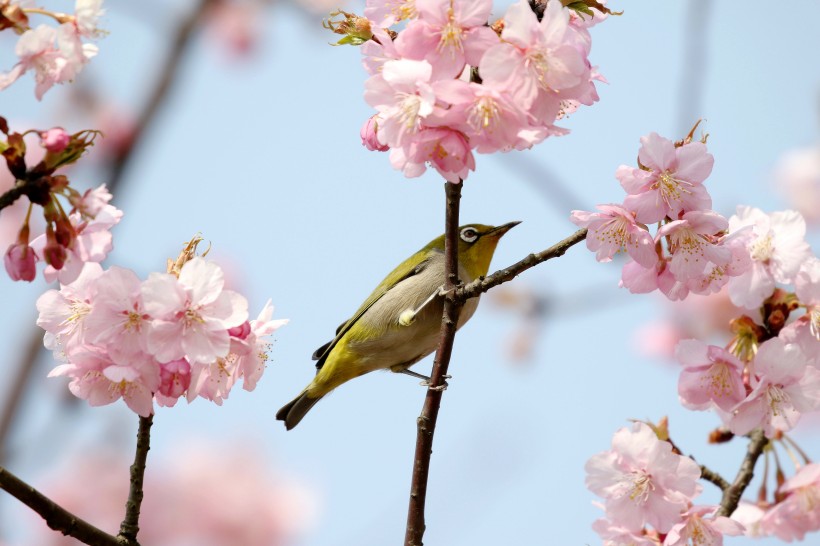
(54, 140)
(54, 253)
(20, 262)
(65, 233)
(369, 138)
(175, 378)
(241, 331)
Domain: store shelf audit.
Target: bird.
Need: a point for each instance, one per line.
(399, 323)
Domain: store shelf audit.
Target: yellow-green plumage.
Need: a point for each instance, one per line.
(373, 339)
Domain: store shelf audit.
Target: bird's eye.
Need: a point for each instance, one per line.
(469, 235)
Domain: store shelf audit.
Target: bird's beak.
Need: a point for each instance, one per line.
(501, 230)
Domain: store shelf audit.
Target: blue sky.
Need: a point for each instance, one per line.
(263, 158)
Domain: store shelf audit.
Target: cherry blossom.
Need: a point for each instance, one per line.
(691, 244)
(797, 175)
(402, 95)
(642, 481)
(777, 248)
(711, 375)
(448, 34)
(118, 320)
(670, 182)
(63, 312)
(784, 387)
(615, 230)
(535, 57)
(797, 513)
(700, 531)
(191, 314)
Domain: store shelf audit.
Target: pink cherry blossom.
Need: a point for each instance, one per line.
(777, 247)
(673, 183)
(642, 481)
(445, 150)
(252, 351)
(797, 514)
(717, 275)
(448, 34)
(402, 95)
(191, 314)
(614, 230)
(92, 202)
(490, 119)
(700, 531)
(37, 51)
(386, 13)
(118, 320)
(535, 57)
(615, 535)
(711, 375)
(20, 262)
(378, 50)
(784, 388)
(63, 312)
(692, 244)
(100, 380)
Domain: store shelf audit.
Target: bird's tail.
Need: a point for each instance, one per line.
(293, 412)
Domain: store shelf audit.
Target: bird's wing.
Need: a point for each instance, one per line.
(404, 271)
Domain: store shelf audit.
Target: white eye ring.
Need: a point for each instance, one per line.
(469, 235)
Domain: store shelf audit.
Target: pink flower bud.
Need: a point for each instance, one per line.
(241, 331)
(369, 138)
(64, 232)
(20, 262)
(54, 253)
(54, 140)
(175, 378)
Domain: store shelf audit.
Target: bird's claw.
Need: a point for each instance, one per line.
(439, 388)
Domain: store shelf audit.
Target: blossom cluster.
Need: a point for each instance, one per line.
(695, 249)
(54, 54)
(70, 239)
(448, 84)
(168, 336)
(648, 492)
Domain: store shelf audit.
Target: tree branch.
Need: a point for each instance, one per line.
(426, 423)
(732, 494)
(130, 524)
(481, 285)
(55, 516)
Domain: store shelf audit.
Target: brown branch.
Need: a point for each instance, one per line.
(731, 495)
(481, 285)
(180, 45)
(426, 423)
(55, 516)
(130, 524)
(711, 476)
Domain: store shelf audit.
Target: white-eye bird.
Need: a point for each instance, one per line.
(399, 323)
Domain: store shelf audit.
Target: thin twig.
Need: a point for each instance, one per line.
(479, 286)
(57, 517)
(713, 477)
(426, 423)
(130, 524)
(731, 495)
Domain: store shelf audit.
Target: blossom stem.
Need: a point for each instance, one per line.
(481, 285)
(55, 516)
(731, 495)
(426, 423)
(130, 525)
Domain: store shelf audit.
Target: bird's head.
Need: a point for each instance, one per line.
(476, 246)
